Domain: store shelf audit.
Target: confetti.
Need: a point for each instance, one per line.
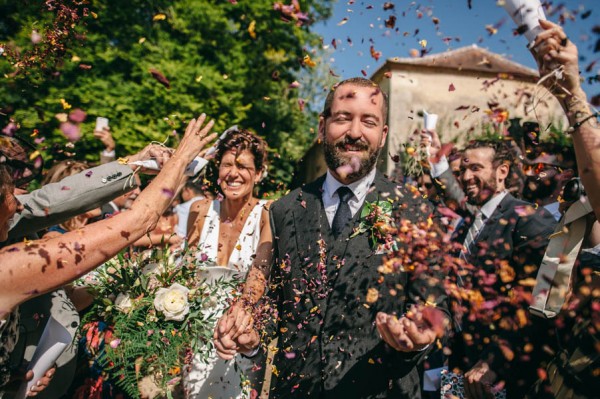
(343, 21)
(308, 61)
(160, 78)
(375, 54)
(251, 29)
(65, 104)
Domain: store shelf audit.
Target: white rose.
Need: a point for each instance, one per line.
(123, 303)
(172, 302)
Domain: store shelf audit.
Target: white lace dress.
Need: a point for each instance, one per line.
(220, 379)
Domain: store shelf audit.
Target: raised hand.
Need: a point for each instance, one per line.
(105, 138)
(41, 383)
(552, 49)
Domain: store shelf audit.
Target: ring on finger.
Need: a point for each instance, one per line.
(564, 41)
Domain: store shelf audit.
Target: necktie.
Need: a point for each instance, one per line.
(472, 234)
(343, 214)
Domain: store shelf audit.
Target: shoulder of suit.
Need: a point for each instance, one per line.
(397, 191)
(296, 196)
(527, 210)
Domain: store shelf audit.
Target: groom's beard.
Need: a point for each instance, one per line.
(336, 157)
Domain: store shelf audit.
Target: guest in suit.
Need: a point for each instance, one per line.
(505, 239)
(573, 370)
(338, 329)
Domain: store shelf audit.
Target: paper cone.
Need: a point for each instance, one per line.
(526, 13)
(53, 342)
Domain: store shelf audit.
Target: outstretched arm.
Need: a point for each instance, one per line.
(56, 202)
(32, 268)
(553, 49)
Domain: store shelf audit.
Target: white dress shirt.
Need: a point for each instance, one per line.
(489, 207)
(331, 199)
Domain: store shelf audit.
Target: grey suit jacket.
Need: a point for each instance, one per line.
(72, 196)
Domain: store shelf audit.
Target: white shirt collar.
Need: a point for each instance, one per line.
(360, 188)
(489, 207)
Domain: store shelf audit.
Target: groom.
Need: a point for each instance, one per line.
(337, 336)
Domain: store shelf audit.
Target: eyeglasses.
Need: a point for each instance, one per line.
(537, 168)
(24, 162)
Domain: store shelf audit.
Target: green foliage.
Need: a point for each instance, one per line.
(204, 48)
(144, 340)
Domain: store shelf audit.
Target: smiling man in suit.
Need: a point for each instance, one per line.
(338, 334)
(505, 239)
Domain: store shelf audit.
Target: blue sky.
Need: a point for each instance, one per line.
(357, 25)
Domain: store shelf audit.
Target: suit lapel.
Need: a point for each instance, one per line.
(491, 224)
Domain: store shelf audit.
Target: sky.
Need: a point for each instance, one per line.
(441, 25)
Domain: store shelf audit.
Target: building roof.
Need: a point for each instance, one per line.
(470, 58)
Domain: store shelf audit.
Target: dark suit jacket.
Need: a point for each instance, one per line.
(518, 234)
(329, 345)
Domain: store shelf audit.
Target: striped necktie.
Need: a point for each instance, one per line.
(472, 235)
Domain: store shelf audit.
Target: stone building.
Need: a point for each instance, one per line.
(462, 86)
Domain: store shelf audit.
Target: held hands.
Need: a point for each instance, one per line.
(413, 332)
(478, 381)
(235, 333)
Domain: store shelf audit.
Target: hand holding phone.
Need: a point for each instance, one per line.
(101, 123)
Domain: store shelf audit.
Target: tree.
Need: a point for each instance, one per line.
(149, 66)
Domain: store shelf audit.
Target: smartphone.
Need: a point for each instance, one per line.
(101, 123)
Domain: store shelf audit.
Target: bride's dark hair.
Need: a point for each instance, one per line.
(242, 140)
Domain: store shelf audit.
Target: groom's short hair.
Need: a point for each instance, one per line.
(358, 81)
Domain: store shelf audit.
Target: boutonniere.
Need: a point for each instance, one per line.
(376, 219)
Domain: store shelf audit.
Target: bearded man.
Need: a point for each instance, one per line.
(505, 239)
(340, 328)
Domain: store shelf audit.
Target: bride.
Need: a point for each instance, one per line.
(228, 231)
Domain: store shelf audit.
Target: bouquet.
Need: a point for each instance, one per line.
(157, 311)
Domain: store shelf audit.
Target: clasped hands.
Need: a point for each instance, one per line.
(235, 333)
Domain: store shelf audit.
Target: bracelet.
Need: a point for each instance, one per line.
(577, 125)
